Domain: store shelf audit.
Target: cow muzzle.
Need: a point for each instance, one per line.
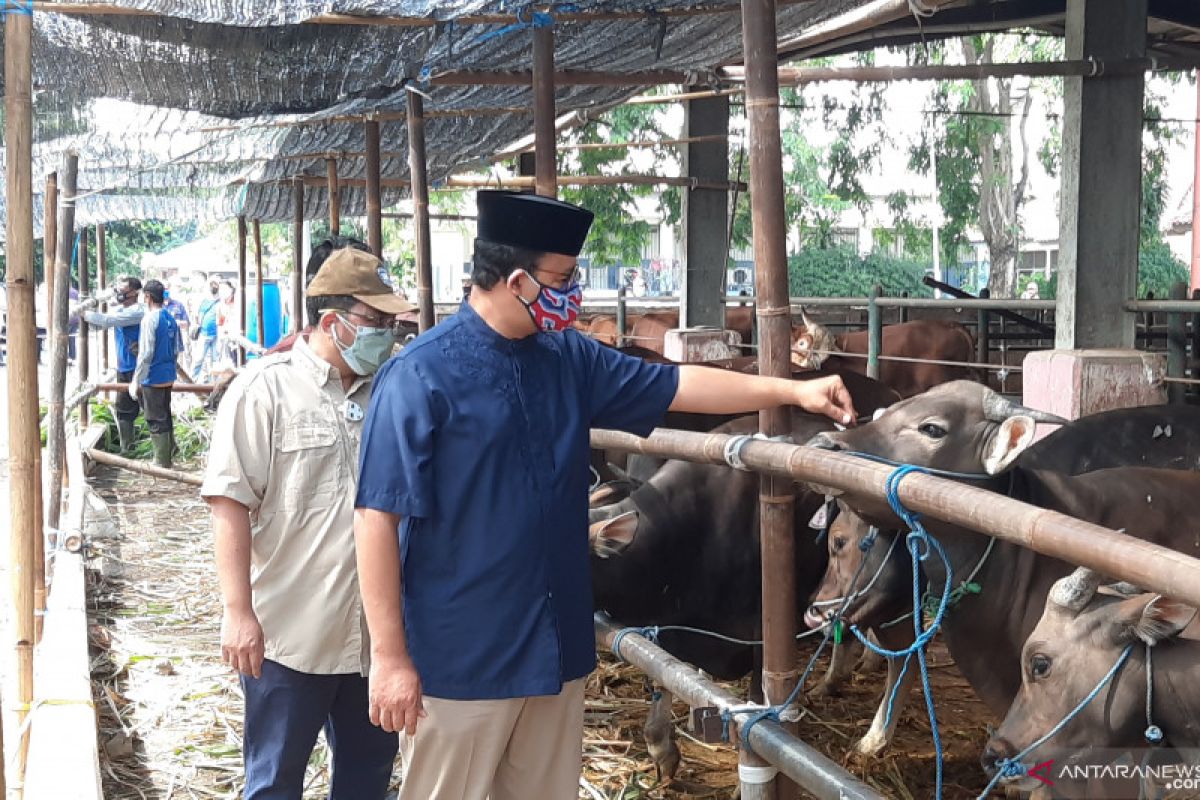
(823, 441)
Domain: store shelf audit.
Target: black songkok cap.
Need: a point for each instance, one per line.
(533, 222)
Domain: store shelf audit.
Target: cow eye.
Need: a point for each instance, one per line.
(1039, 666)
(839, 543)
(932, 430)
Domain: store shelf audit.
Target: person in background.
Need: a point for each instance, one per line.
(159, 343)
(229, 327)
(1031, 291)
(124, 318)
(205, 332)
(280, 483)
(178, 312)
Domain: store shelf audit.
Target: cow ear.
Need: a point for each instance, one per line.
(879, 412)
(610, 537)
(1151, 618)
(1011, 439)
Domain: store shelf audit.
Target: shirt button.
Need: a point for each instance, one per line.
(550, 595)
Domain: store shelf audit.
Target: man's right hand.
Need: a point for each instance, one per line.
(395, 696)
(242, 642)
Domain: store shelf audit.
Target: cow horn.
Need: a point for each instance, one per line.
(1076, 590)
(997, 408)
(808, 323)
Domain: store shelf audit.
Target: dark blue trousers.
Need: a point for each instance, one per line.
(285, 710)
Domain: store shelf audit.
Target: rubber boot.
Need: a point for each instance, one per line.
(162, 449)
(125, 434)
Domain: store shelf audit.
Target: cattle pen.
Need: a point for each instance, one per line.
(242, 122)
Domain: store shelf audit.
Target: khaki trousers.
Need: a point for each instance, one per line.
(525, 748)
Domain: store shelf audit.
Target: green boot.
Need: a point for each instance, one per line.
(125, 434)
(162, 449)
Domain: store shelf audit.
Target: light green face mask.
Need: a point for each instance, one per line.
(370, 348)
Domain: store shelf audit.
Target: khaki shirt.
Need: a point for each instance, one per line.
(284, 447)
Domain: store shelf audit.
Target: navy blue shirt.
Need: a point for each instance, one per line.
(480, 443)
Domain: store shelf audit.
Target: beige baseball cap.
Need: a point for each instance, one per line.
(355, 273)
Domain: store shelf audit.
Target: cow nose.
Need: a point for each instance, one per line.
(996, 751)
(822, 441)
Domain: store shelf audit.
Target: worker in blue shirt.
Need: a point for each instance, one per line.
(159, 343)
(206, 332)
(124, 318)
(475, 448)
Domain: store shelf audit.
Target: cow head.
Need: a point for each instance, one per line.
(960, 426)
(1079, 638)
(811, 343)
(884, 582)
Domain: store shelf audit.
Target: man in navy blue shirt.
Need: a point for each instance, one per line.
(475, 449)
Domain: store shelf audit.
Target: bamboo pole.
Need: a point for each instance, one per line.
(420, 197)
(528, 182)
(565, 77)
(23, 435)
(798, 76)
(241, 292)
(800, 761)
(297, 255)
(177, 388)
(49, 249)
(260, 276)
(1153, 567)
(335, 196)
(55, 423)
(83, 348)
(384, 116)
(776, 499)
(374, 198)
(102, 289)
(544, 160)
(142, 468)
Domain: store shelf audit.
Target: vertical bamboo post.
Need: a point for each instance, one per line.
(544, 159)
(56, 441)
(49, 250)
(622, 316)
(374, 194)
(241, 292)
(1176, 345)
(23, 435)
(419, 183)
(874, 331)
(102, 289)
(983, 331)
(297, 254)
(258, 285)
(335, 197)
(776, 499)
(83, 349)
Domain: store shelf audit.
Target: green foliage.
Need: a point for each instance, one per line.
(193, 432)
(125, 242)
(1159, 270)
(615, 237)
(841, 272)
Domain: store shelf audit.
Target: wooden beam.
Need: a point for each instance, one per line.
(544, 160)
(417, 169)
(335, 196)
(83, 349)
(102, 288)
(798, 76)
(526, 182)
(241, 293)
(49, 247)
(566, 77)
(24, 439)
(390, 116)
(297, 255)
(143, 468)
(374, 198)
(260, 276)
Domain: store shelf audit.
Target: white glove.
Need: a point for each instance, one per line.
(133, 390)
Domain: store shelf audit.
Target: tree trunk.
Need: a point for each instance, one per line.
(1001, 191)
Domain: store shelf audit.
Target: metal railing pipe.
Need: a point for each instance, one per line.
(622, 317)
(1150, 566)
(1184, 306)
(770, 740)
(874, 331)
(1176, 345)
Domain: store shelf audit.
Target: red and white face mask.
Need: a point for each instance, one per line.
(553, 310)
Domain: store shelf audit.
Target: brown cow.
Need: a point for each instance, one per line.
(649, 329)
(814, 345)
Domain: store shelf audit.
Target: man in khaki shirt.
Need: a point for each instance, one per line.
(280, 482)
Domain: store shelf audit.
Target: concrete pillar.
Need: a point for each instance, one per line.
(705, 215)
(1101, 178)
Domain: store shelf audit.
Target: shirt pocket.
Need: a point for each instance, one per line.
(308, 453)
